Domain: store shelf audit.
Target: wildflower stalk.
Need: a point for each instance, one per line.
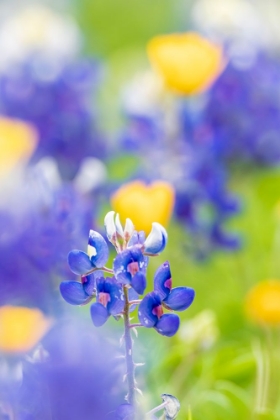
(128, 350)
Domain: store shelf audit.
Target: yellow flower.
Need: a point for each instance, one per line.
(262, 303)
(17, 142)
(144, 204)
(187, 62)
(21, 328)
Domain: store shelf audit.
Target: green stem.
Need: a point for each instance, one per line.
(130, 368)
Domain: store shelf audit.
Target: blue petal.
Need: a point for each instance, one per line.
(163, 280)
(97, 249)
(157, 239)
(79, 262)
(145, 310)
(139, 282)
(180, 298)
(99, 314)
(168, 324)
(73, 292)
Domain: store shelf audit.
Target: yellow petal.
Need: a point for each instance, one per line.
(187, 62)
(262, 304)
(17, 142)
(144, 204)
(21, 328)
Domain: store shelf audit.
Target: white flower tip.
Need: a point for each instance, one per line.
(119, 226)
(128, 229)
(109, 223)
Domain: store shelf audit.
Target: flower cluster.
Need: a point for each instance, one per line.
(127, 280)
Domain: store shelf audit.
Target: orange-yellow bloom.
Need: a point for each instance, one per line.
(144, 204)
(262, 303)
(187, 62)
(21, 328)
(17, 142)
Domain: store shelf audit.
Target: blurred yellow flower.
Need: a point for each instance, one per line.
(262, 303)
(21, 328)
(144, 204)
(187, 62)
(17, 142)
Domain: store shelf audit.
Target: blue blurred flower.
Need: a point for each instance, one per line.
(239, 119)
(75, 373)
(58, 99)
(200, 181)
(37, 225)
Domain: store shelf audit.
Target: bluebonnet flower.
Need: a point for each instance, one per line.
(151, 308)
(79, 292)
(130, 268)
(97, 255)
(109, 300)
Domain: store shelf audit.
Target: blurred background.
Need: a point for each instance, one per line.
(162, 111)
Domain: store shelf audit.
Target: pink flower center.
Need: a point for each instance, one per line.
(168, 283)
(133, 268)
(158, 311)
(104, 298)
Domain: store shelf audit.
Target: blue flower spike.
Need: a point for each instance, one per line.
(97, 255)
(156, 240)
(109, 300)
(118, 294)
